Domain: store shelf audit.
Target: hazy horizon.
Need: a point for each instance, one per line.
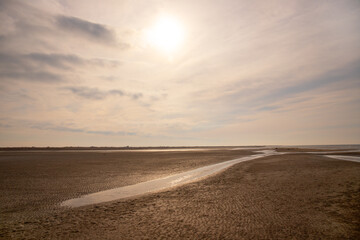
(179, 73)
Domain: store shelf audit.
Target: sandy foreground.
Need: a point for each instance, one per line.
(300, 196)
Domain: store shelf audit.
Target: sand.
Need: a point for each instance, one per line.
(278, 197)
(32, 183)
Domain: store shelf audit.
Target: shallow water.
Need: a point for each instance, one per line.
(160, 184)
(346, 158)
(328, 147)
(178, 179)
(336, 151)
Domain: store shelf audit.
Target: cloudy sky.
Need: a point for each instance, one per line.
(86, 72)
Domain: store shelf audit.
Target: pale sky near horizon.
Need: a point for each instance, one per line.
(84, 72)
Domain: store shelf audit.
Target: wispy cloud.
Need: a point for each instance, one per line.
(44, 125)
(50, 126)
(40, 76)
(64, 61)
(48, 68)
(268, 108)
(89, 30)
(38, 60)
(343, 74)
(97, 94)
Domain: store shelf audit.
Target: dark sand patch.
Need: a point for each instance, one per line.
(278, 197)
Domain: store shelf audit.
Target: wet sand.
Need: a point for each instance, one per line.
(33, 183)
(278, 197)
(161, 184)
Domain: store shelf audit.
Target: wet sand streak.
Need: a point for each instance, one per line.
(160, 184)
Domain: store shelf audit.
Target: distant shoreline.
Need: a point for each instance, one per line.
(114, 148)
(330, 146)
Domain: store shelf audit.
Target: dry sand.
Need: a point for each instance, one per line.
(280, 197)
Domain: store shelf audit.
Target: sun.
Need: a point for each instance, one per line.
(166, 34)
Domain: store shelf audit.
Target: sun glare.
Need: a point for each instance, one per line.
(166, 34)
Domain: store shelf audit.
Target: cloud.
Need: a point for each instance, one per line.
(268, 108)
(136, 96)
(241, 96)
(5, 125)
(22, 67)
(36, 76)
(79, 26)
(26, 25)
(233, 101)
(90, 93)
(54, 127)
(343, 74)
(33, 61)
(44, 67)
(46, 125)
(111, 133)
(55, 60)
(97, 94)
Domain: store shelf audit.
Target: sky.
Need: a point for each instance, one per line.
(230, 72)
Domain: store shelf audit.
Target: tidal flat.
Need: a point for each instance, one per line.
(292, 195)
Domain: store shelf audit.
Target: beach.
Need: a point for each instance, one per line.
(276, 197)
